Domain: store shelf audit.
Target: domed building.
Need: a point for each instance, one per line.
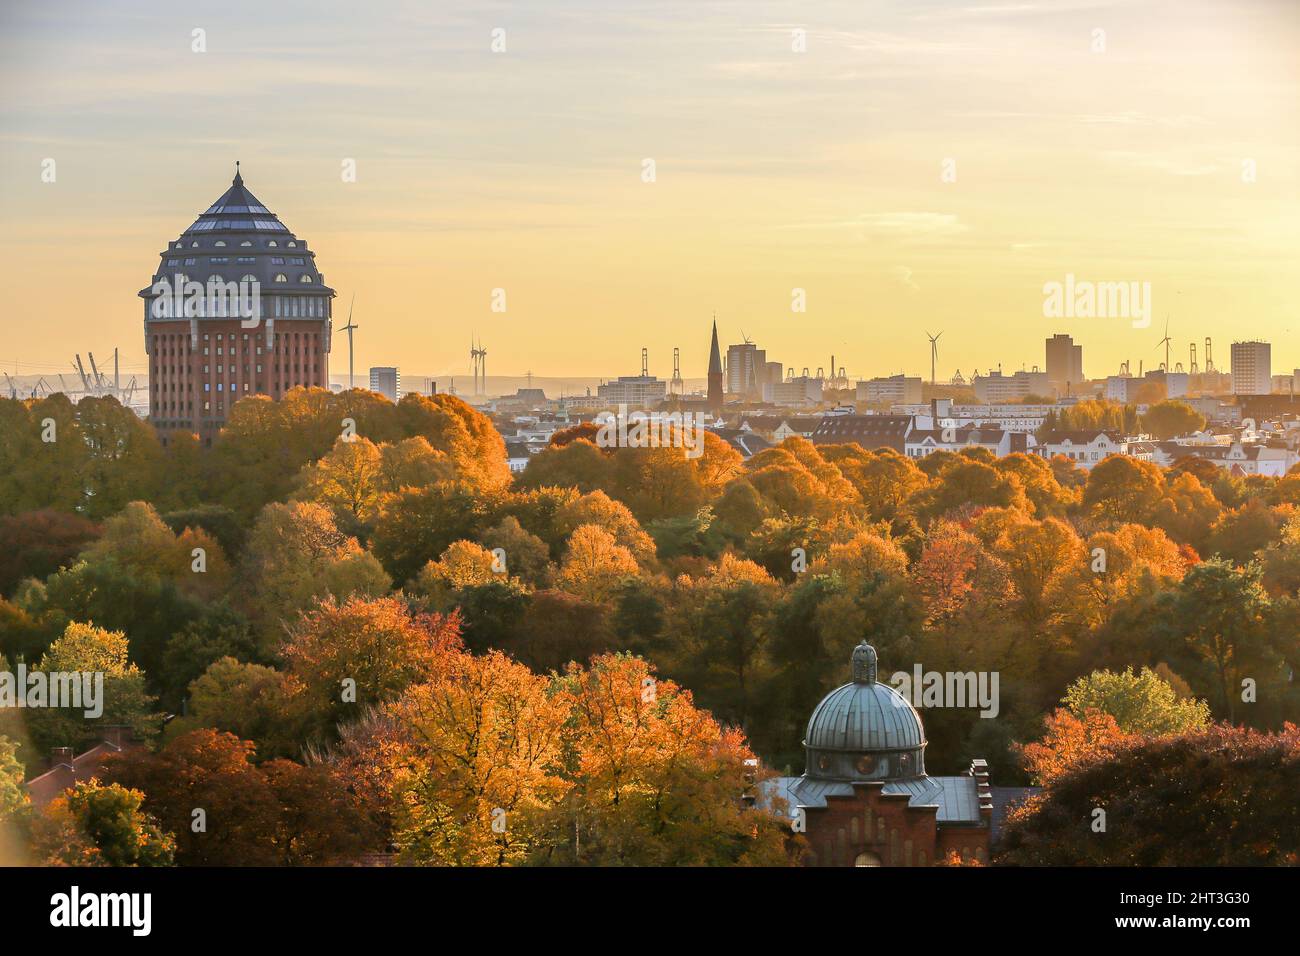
(865, 798)
(235, 308)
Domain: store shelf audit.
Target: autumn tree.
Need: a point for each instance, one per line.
(1123, 488)
(1235, 804)
(295, 556)
(527, 556)
(1070, 741)
(479, 746)
(38, 543)
(92, 824)
(656, 780)
(251, 701)
(1169, 419)
(362, 653)
(226, 810)
(595, 564)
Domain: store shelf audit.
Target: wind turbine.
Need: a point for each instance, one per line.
(349, 329)
(1165, 342)
(934, 353)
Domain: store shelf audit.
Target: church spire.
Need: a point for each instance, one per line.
(715, 373)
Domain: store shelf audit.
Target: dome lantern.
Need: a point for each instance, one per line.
(864, 663)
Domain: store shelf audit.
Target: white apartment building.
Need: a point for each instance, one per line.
(1087, 449)
(1243, 458)
(921, 442)
(943, 413)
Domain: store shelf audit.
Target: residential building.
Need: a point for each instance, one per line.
(921, 442)
(1252, 368)
(869, 431)
(1272, 459)
(1008, 416)
(634, 391)
(996, 387)
(801, 390)
(777, 429)
(1086, 448)
(68, 770)
(895, 389)
(387, 381)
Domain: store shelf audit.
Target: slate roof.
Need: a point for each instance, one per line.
(253, 242)
(956, 798)
(869, 431)
(1004, 798)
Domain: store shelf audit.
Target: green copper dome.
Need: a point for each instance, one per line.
(865, 730)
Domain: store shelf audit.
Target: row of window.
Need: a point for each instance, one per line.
(220, 243)
(222, 260)
(309, 306)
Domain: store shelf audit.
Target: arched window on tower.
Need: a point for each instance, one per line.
(304, 279)
(281, 277)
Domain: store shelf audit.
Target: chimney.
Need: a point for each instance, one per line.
(60, 756)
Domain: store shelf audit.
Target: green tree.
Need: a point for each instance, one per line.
(1141, 703)
(93, 824)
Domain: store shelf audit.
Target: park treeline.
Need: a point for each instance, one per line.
(327, 538)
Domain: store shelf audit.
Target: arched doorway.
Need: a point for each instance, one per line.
(866, 859)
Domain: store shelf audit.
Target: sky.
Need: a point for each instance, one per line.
(910, 166)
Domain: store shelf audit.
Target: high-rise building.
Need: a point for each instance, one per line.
(236, 307)
(1064, 364)
(1252, 368)
(387, 381)
(746, 364)
(715, 374)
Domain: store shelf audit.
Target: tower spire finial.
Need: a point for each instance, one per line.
(238, 180)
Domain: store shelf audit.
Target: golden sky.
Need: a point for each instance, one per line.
(775, 170)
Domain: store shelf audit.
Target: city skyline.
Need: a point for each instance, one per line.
(971, 171)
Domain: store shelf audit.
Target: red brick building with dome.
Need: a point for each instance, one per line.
(865, 798)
